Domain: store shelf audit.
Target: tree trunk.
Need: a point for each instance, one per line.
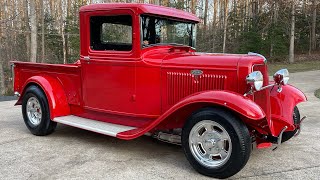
(62, 31)
(193, 6)
(225, 23)
(205, 14)
(214, 24)
(292, 31)
(2, 87)
(33, 24)
(166, 3)
(42, 32)
(275, 22)
(313, 26)
(27, 29)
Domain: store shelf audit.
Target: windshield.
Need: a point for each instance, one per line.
(157, 31)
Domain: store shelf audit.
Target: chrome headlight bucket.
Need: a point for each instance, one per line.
(255, 80)
(281, 77)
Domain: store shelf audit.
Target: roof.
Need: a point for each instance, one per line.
(143, 9)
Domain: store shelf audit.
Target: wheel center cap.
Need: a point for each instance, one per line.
(212, 142)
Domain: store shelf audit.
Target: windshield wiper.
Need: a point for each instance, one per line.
(161, 44)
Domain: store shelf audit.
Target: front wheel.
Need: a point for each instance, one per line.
(296, 120)
(216, 143)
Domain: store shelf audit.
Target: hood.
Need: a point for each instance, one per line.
(202, 60)
(185, 57)
(211, 60)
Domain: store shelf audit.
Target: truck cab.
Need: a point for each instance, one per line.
(140, 74)
(123, 45)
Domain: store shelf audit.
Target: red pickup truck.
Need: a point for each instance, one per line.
(139, 74)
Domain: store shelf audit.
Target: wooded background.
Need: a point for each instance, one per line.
(47, 31)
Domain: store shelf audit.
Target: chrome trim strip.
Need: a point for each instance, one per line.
(17, 94)
(266, 87)
(87, 58)
(257, 54)
(251, 91)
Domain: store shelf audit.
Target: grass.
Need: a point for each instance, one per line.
(317, 93)
(295, 67)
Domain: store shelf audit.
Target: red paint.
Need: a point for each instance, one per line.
(264, 145)
(142, 9)
(229, 100)
(282, 108)
(145, 87)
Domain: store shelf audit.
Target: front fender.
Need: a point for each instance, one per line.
(57, 100)
(228, 99)
(233, 101)
(282, 105)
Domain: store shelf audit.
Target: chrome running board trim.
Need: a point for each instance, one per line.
(93, 125)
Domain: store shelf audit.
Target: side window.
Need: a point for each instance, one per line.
(111, 33)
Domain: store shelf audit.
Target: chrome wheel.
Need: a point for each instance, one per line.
(210, 144)
(34, 111)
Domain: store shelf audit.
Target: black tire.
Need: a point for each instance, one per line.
(45, 125)
(238, 133)
(296, 120)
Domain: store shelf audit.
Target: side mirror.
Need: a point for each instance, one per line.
(281, 77)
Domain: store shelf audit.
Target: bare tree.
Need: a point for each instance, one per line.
(27, 28)
(62, 31)
(2, 84)
(292, 31)
(2, 79)
(193, 6)
(313, 26)
(205, 14)
(214, 20)
(34, 30)
(42, 32)
(275, 21)
(225, 25)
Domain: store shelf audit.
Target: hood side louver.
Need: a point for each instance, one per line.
(180, 85)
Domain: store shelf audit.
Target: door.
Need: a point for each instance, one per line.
(109, 69)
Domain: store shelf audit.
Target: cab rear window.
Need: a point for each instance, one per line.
(111, 33)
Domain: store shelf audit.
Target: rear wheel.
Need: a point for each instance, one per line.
(35, 111)
(216, 143)
(296, 120)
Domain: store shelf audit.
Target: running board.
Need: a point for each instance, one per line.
(93, 125)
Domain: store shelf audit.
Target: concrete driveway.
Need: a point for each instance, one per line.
(72, 153)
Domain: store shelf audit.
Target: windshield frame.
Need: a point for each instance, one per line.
(192, 39)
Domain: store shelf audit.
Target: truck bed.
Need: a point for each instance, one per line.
(69, 75)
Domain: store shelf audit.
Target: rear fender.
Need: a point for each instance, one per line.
(230, 100)
(282, 105)
(58, 104)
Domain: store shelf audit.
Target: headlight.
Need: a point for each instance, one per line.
(255, 80)
(281, 77)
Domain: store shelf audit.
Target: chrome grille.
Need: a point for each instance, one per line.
(262, 98)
